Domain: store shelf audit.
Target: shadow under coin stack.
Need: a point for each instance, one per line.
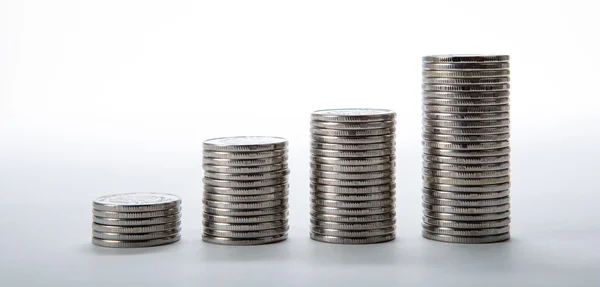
(352, 176)
(136, 220)
(466, 148)
(245, 190)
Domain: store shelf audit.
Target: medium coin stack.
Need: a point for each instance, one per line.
(352, 176)
(136, 220)
(466, 148)
(245, 190)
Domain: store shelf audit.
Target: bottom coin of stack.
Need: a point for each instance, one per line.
(136, 220)
(245, 190)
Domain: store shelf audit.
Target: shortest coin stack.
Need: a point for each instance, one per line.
(132, 220)
(245, 190)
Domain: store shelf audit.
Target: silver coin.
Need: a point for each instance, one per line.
(352, 233)
(245, 205)
(353, 126)
(245, 219)
(245, 212)
(465, 95)
(352, 153)
(247, 191)
(462, 174)
(466, 88)
(352, 176)
(466, 124)
(466, 224)
(245, 162)
(247, 176)
(467, 167)
(353, 168)
(244, 241)
(245, 198)
(246, 226)
(466, 117)
(136, 236)
(465, 195)
(352, 218)
(245, 143)
(346, 240)
(465, 58)
(467, 210)
(465, 239)
(466, 160)
(465, 232)
(466, 146)
(352, 133)
(245, 169)
(353, 226)
(354, 147)
(466, 109)
(466, 138)
(135, 229)
(466, 181)
(246, 234)
(135, 244)
(466, 74)
(473, 203)
(466, 102)
(136, 202)
(466, 131)
(353, 140)
(468, 153)
(352, 212)
(244, 184)
(471, 188)
(137, 222)
(353, 189)
(137, 215)
(466, 66)
(244, 155)
(467, 217)
(353, 115)
(353, 161)
(353, 197)
(342, 182)
(466, 81)
(353, 204)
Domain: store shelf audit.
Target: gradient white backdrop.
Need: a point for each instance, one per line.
(101, 97)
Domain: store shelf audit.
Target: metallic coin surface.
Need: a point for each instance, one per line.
(353, 189)
(466, 195)
(352, 147)
(353, 197)
(136, 215)
(244, 241)
(466, 88)
(343, 182)
(135, 244)
(466, 74)
(352, 218)
(466, 181)
(466, 81)
(466, 167)
(466, 131)
(245, 205)
(348, 240)
(136, 236)
(136, 202)
(352, 212)
(465, 203)
(465, 95)
(465, 102)
(466, 146)
(466, 66)
(353, 115)
(244, 227)
(467, 210)
(466, 217)
(465, 58)
(353, 161)
(135, 229)
(470, 188)
(245, 219)
(467, 109)
(247, 191)
(244, 155)
(353, 125)
(466, 224)
(244, 184)
(353, 204)
(465, 239)
(352, 133)
(352, 153)
(352, 175)
(245, 212)
(352, 233)
(462, 174)
(245, 162)
(245, 143)
(245, 169)
(466, 124)
(466, 116)
(465, 232)
(481, 160)
(137, 222)
(246, 234)
(353, 168)
(245, 198)
(468, 153)
(353, 140)
(247, 176)
(353, 226)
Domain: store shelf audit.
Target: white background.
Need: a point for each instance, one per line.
(102, 97)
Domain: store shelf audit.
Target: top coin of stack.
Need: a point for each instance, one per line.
(466, 148)
(352, 179)
(136, 220)
(245, 190)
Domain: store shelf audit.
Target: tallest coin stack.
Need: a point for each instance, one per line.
(466, 148)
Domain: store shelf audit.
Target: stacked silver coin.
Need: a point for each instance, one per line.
(352, 176)
(136, 220)
(466, 148)
(245, 190)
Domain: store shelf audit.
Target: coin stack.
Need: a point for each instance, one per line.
(466, 148)
(245, 190)
(352, 176)
(136, 220)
